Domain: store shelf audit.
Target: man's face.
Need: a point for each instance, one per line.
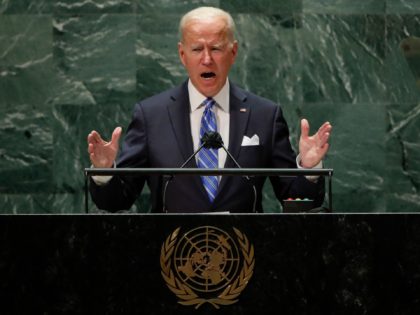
(207, 54)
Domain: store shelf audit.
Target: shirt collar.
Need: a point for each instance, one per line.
(197, 99)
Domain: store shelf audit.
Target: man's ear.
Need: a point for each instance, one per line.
(234, 50)
(181, 52)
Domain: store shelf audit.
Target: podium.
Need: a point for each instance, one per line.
(303, 263)
(169, 173)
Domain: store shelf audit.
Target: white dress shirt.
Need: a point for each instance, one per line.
(221, 111)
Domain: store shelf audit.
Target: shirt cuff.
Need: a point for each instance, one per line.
(313, 179)
(101, 180)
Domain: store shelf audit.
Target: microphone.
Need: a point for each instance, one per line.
(210, 140)
(204, 143)
(213, 140)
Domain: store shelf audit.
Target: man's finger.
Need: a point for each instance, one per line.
(94, 137)
(324, 150)
(326, 127)
(90, 148)
(324, 139)
(90, 138)
(93, 159)
(304, 128)
(116, 134)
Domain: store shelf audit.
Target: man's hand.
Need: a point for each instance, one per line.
(102, 154)
(312, 149)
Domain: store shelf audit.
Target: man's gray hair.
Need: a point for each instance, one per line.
(202, 13)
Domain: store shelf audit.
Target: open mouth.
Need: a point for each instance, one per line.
(208, 75)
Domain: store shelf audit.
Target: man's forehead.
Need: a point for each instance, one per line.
(213, 37)
(213, 21)
(213, 43)
(208, 27)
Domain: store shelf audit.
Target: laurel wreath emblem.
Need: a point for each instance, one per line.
(186, 295)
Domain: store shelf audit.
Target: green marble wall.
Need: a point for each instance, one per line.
(67, 67)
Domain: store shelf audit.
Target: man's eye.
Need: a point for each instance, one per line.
(196, 49)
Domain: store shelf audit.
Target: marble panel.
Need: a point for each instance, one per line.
(26, 69)
(172, 6)
(44, 202)
(267, 63)
(262, 6)
(26, 82)
(157, 61)
(94, 6)
(402, 61)
(26, 149)
(344, 6)
(71, 126)
(26, 6)
(403, 156)
(357, 153)
(402, 6)
(403, 77)
(96, 54)
(343, 58)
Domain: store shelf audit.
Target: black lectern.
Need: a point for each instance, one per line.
(168, 172)
(210, 264)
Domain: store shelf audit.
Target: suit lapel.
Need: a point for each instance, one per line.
(239, 115)
(179, 115)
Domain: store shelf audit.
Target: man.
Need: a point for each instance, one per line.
(167, 128)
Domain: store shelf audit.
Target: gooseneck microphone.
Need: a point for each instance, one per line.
(170, 177)
(214, 141)
(210, 140)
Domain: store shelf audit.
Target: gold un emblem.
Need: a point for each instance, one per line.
(206, 265)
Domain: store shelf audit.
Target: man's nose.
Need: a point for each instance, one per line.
(207, 58)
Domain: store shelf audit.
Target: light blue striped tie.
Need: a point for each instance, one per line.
(208, 158)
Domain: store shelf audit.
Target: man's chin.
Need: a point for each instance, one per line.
(209, 87)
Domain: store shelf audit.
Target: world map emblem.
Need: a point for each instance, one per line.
(207, 265)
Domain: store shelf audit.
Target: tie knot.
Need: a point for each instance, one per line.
(209, 102)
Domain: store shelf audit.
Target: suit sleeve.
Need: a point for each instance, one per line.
(121, 192)
(283, 156)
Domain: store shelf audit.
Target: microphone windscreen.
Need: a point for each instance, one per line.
(212, 140)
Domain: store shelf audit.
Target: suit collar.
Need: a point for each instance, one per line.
(197, 99)
(179, 115)
(239, 116)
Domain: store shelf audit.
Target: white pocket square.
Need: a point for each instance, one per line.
(254, 140)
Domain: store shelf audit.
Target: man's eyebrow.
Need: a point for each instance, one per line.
(215, 45)
(218, 45)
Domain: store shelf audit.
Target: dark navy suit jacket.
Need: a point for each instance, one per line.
(160, 136)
